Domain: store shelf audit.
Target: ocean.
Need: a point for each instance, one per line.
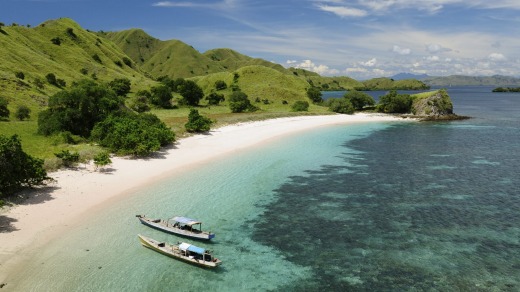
(368, 207)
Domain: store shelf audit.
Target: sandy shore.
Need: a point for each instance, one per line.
(52, 210)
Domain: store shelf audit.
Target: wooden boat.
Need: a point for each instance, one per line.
(183, 251)
(178, 225)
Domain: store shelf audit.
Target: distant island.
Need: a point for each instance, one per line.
(506, 89)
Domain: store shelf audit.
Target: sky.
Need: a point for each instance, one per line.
(357, 38)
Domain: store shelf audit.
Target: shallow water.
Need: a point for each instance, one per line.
(380, 206)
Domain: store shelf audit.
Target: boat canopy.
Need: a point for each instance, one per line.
(192, 248)
(186, 221)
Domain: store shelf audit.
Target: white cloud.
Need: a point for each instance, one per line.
(436, 48)
(320, 69)
(432, 58)
(370, 63)
(289, 62)
(342, 11)
(401, 51)
(497, 57)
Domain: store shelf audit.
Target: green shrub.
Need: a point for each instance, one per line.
(215, 98)
(68, 158)
(4, 111)
(135, 134)
(340, 105)
(19, 75)
(314, 95)
(23, 169)
(197, 122)
(220, 85)
(238, 102)
(97, 58)
(300, 106)
(23, 112)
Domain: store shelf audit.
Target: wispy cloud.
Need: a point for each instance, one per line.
(342, 11)
(220, 5)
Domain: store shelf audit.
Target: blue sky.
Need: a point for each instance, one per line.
(357, 38)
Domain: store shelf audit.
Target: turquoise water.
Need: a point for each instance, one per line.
(374, 207)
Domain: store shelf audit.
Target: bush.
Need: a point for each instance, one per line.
(395, 103)
(71, 34)
(77, 110)
(220, 85)
(121, 86)
(51, 78)
(161, 96)
(300, 106)
(359, 99)
(68, 158)
(127, 61)
(24, 170)
(23, 112)
(4, 111)
(314, 95)
(139, 103)
(19, 75)
(340, 105)
(191, 93)
(197, 122)
(56, 41)
(238, 102)
(102, 159)
(215, 98)
(135, 134)
(97, 58)
(84, 71)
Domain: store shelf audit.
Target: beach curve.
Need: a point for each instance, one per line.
(77, 192)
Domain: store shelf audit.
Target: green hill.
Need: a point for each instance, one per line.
(60, 47)
(172, 58)
(461, 80)
(387, 83)
(259, 83)
(232, 60)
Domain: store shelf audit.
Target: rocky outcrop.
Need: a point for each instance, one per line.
(436, 106)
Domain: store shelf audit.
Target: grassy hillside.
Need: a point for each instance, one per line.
(232, 60)
(69, 57)
(387, 83)
(172, 58)
(260, 83)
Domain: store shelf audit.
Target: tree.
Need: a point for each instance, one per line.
(23, 112)
(238, 102)
(4, 111)
(191, 93)
(161, 96)
(215, 98)
(220, 85)
(121, 86)
(77, 110)
(127, 133)
(359, 99)
(395, 103)
(197, 122)
(23, 169)
(56, 41)
(314, 95)
(300, 106)
(340, 105)
(102, 159)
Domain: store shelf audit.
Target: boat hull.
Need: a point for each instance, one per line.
(163, 226)
(173, 251)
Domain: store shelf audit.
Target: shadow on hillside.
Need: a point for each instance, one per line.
(6, 224)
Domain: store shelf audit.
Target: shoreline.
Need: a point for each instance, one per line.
(52, 210)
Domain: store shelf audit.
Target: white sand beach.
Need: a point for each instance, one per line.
(77, 193)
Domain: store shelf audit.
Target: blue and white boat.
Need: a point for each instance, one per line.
(178, 225)
(184, 251)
